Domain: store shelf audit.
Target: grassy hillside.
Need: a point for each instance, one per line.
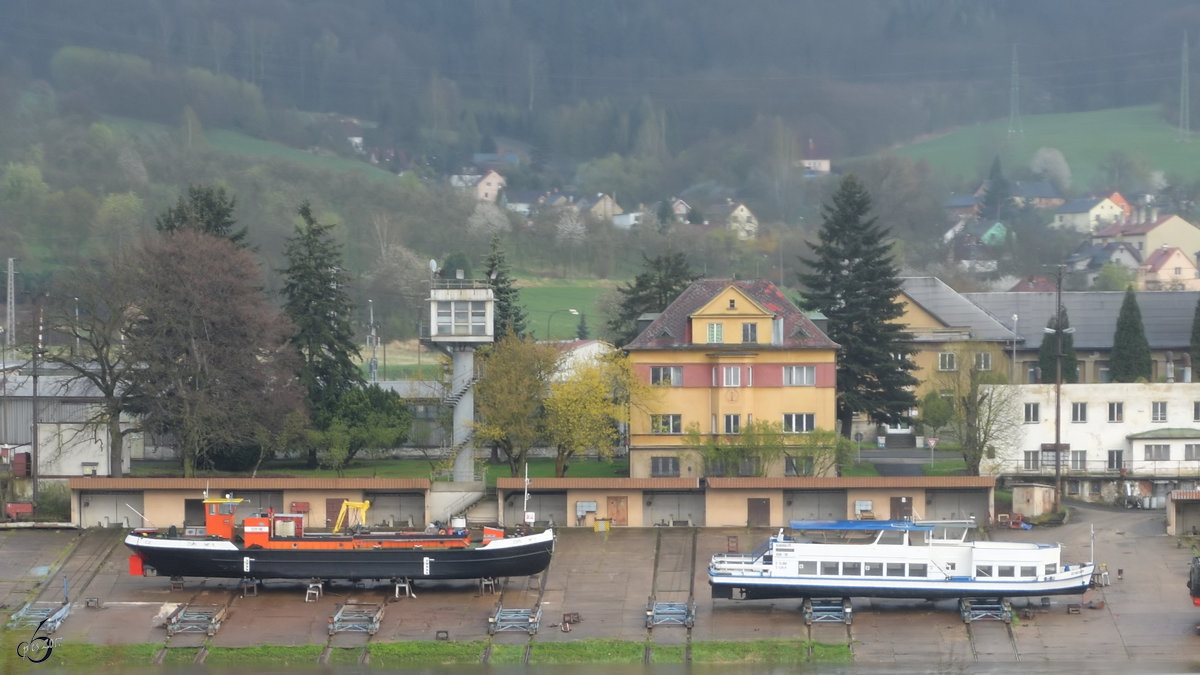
(1087, 140)
(541, 300)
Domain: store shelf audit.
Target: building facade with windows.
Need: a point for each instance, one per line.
(724, 355)
(1119, 442)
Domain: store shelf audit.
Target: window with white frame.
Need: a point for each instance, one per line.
(715, 333)
(983, 360)
(664, 467)
(1032, 413)
(666, 376)
(799, 376)
(666, 424)
(1032, 458)
(461, 317)
(750, 332)
(1158, 411)
(1116, 460)
(733, 424)
(1079, 412)
(1116, 411)
(1158, 452)
(946, 361)
(1191, 451)
(798, 423)
(731, 376)
(1079, 460)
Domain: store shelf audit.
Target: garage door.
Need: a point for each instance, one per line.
(111, 509)
(814, 505)
(396, 509)
(1187, 518)
(957, 505)
(547, 507)
(673, 508)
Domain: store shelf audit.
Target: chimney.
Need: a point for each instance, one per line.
(1170, 367)
(1154, 214)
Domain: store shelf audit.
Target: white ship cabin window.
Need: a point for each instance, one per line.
(1028, 571)
(806, 567)
(852, 569)
(224, 509)
(1051, 568)
(829, 568)
(873, 569)
(983, 570)
(918, 569)
(1006, 571)
(895, 569)
(891, 537)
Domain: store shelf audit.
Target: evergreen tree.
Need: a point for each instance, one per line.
(1130, 358)
(1194, 347)
(1049, 348)
(204, 208)
(997, 198)
(581, 331)
(316, 300)
(662, 280)
(509, 314)
(853, 280)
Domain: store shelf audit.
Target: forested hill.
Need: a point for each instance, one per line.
(585, 78)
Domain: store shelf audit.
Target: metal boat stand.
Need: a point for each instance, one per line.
(828, 610)
(503, 619)
(670, 613)
(34, 613)
(188, 618)
(404, 586)
(980, 609)
(356, 617)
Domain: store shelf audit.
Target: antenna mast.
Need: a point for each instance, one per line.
(1014, 98)
(1184, 113)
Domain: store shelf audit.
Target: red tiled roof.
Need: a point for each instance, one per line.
(218, 485)
(812, 483)
(669, 330)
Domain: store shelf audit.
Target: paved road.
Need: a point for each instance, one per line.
(1143, 621)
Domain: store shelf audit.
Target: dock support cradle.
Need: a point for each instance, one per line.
(356, 617)
(828, 610)
(48, 615)
(502, 619)
(670, 613)
(980, 609)
(189, 618)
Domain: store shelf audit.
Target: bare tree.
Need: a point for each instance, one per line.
(212, 354)
(984, 406)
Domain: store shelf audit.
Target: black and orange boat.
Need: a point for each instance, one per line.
(276, 546)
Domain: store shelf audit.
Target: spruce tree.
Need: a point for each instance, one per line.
(853, 280)
(316, 300)
(662, 280)
(509, 314)
(205, 208)
(581, 330)
(1130, 358)
(1046, 353)
(997, 198)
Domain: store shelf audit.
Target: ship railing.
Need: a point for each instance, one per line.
(736, 564)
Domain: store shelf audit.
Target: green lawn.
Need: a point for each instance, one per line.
(1086, 139)
(549, 304)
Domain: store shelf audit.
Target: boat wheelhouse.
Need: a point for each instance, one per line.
(894, 559)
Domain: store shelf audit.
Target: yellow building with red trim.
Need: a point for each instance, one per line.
(723, 355)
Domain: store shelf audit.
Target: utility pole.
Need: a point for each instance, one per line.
(1014, 99)
(1058, 333)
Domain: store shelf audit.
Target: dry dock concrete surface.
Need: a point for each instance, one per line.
(1143, 620)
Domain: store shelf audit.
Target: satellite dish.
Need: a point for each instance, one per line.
(432, 266)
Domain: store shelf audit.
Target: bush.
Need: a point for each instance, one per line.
(54, 503)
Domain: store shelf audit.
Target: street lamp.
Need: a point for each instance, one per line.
(568, 311)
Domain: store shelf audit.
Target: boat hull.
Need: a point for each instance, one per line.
(760, 588)
(520, 556)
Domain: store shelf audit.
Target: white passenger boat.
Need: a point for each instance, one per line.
(894, 559)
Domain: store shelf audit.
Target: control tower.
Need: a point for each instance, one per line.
(460, 320)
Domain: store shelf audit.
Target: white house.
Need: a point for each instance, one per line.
(1119, 440)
